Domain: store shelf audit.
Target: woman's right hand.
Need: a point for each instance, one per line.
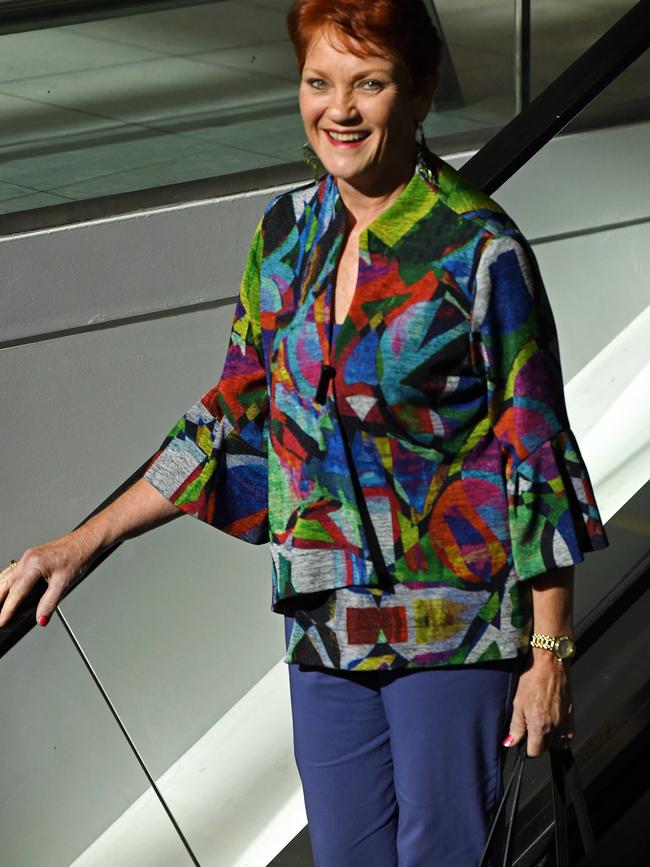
(61, 563)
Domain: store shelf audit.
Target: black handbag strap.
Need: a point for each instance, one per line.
(564, 781)
(514, 785)
(558, 784)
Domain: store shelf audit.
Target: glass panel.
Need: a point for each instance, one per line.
(479, 37)
(561, 32)
(137, 102)
(178, 624)
(142, 101)
(67, 772)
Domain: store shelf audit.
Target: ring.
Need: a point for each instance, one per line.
(13, 564)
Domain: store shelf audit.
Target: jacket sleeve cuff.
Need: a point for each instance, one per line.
(553, 515)
(207, 470)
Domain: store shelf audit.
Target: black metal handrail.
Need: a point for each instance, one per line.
(497, 160)
(18, 16)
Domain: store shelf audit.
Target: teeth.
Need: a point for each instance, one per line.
(347, 136)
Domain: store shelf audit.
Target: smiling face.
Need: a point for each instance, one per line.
(360, 114)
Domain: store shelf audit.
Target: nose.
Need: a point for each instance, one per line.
(343, 107)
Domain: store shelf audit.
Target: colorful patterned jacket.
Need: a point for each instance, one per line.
(447, 391)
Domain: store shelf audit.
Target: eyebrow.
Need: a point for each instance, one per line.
(366, 73)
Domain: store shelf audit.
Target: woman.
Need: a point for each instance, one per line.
(391, 418)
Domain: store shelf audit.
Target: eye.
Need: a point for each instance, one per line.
(372, 84)
(316, 83)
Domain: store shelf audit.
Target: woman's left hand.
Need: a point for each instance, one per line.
(543, 704)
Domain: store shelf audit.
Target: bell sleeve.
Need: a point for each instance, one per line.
(552, 512)
(213, 462)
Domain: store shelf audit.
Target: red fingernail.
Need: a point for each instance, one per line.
(509, 741)
(43, 620)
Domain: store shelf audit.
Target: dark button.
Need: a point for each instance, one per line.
(327, 373)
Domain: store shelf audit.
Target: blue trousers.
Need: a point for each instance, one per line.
(404, 768)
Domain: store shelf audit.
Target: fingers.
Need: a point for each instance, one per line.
(517, 728)
(548, 739)
(15, 584)
(48, 602)
(60, 563)
(7, 575)
(536, 743)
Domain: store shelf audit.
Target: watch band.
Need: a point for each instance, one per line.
(563, 646)
(546, 642)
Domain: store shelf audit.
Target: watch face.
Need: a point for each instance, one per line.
(566, 647)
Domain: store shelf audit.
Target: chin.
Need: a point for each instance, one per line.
(348, 173)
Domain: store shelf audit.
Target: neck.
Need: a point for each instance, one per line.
(365, 203)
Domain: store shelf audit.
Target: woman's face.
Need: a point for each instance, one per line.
(360, 114)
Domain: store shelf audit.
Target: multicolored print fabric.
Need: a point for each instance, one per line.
(448, 399)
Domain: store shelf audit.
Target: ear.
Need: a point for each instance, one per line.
(424, 97)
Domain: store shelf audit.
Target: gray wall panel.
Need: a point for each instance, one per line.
(582, 180)
(111, 269)
(597, 283)
(166, 619)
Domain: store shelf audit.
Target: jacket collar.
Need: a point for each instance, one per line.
(414, 202)
(326, 230)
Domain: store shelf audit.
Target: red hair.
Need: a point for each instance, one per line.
(399, 29)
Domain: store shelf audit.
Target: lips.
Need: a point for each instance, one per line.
(345, 138)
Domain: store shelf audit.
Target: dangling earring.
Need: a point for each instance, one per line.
(423, 155)
(421, 138)
(310, 156)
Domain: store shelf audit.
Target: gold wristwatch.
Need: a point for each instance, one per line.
(563, 646)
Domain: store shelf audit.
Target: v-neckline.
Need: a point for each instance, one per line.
(380, 226)
(336, 271)
(384, 217)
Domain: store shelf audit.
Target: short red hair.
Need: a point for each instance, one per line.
(399, 29)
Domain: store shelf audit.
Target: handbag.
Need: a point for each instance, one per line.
(564, 781)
